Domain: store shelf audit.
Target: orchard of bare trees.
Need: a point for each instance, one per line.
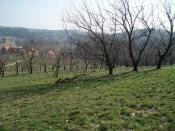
(103, 36)
(123, 32)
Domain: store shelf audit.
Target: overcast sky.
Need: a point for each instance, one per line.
(40, 14)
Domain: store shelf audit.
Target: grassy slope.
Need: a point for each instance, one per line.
(128, 100)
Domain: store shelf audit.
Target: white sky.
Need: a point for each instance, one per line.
(40, 14)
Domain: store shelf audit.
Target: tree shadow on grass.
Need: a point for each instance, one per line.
(150, 70)
(104, 77)
(29, 91)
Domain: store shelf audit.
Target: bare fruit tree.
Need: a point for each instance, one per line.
(59, 60)
(2, 66)
(31, 56)
(99, 29)
(165, 37)
(43, 58)
(135, 25)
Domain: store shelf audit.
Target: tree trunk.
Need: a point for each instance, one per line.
(53, 67)
(30, 67)
(45, 68)
(86, 67)
(110, 71)
(135, 67)
(17, 68)
(70, 68)
(30, 62)
(56, 73)
(159, 64)
(126, 63)
(64, 68)
(3, 73)
(31, 70)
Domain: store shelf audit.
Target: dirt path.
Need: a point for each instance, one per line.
(11, 64)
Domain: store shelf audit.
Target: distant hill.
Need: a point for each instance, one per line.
(24, 33)
(48, 36)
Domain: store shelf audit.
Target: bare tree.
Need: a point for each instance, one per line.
(30, 60)
(85, 59)
(2, 67)
(43, 58)
(99, 34)
(163, 41)
(17, 67)
(30, 46)
(135, 26)
(71, 59)
(59, 60)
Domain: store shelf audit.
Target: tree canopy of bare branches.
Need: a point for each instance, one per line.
(100, 33)
(165, 37)
(135, 25)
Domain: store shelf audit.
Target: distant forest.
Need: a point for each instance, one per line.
(50, 36)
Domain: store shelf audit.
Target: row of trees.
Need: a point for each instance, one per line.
(122, 29)
(38, 57)
(73, 59)
(121, 33)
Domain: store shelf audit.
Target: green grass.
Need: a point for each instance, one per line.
(125, 101)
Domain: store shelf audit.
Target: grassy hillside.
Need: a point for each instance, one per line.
(125, 101)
